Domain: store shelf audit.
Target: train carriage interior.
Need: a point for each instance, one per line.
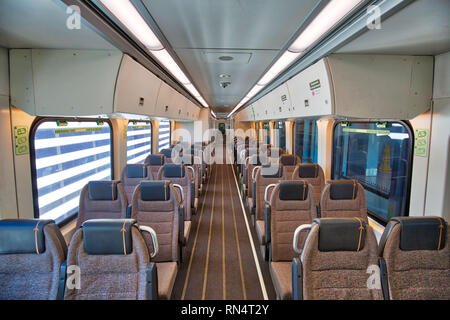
(224, 150)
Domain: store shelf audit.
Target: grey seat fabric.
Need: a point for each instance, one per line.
(313, 173)
(263, 177)
(102, 200)
(113, 261)
(177, 174)
(31, 254)
(343, 199)
(335, 260)
(132, 175)
(416, 257)
(291, 205)
(156, 204)
(153, 163)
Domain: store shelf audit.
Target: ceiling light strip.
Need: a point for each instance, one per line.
(131, 19)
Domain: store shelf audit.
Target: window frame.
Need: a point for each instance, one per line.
(294, 136)
(410, 131)
(38, 121)
(170, 133)
(151, 134)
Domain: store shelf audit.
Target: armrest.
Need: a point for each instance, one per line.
(296, 235)
(384, 278)
(152, 281)
(267, 222)
(154, 239)
(267, 194)
(297, 279)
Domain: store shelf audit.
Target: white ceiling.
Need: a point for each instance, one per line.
(42, 24)
(422, 28)
(251, 31)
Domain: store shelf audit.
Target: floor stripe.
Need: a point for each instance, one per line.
(205, 276)
(224, 275)
(244, 291)
(258, 267)
(186, 281)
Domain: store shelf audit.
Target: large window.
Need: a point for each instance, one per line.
(266, 133)
(377, 155)
(164, 134)
(66, 155)
(139, 141)
(305, 135)
(280, 134)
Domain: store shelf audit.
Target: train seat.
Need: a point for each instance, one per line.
(313, 173)
(132, 175)
(291, 204)
(194, 171)
(32, 252)
(414, 253)
(153, 163)
(157, 204)
(113, 261)
(250, 164)
(264, 176)
(102, 200)
(168, 154)
(338, 257)
(176, 174)
(343, 199)
(289, 162)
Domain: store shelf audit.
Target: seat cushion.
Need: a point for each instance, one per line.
(167, 272)
(187, 230)
(261, 231)
(281, 273)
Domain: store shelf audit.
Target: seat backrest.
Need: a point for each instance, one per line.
(264, 176)
(313, 173)
(102, 200)
(195, 164)
(31, 254)
(250, 164)
(153, 163)
(292, 204)
(289, 162)
(156, 204)
(417, 255)
(168, 154)
(132, 175)
(177, 174)
(336, 257)
(343, 199)
(112, 258)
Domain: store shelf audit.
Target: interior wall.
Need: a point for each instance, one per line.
(8, 200)
(437, 201)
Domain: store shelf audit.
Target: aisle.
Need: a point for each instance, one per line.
(219, 262)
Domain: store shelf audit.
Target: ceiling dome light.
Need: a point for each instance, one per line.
(226, 58)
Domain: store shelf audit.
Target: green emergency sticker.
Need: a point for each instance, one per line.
(421, 142)
(21, 140)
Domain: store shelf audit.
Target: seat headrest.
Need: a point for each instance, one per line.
(167, 152)
(341, 234)
(270, 170)
(108, 236)
(156, 159)
(293, 190)
(422, 233)
(18, 236)
(173, 170)
(102, 190)
(288, 160)
(308, 170)
(155, 190)
(343, 189)
(136, 171)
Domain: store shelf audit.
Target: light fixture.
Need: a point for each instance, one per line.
(327, 18)
(127, 14)
(131, 19)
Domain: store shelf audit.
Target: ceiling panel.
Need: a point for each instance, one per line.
(422, 28)
(251, 31)
(42, 24)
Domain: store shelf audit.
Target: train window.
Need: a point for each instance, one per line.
(164, 134)
(66, 155)
(378, 155)
(266, 132)
(306, 135)
(280, 134)
(139, 141)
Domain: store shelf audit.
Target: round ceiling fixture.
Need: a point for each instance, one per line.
(224, 75)
(226, 58)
